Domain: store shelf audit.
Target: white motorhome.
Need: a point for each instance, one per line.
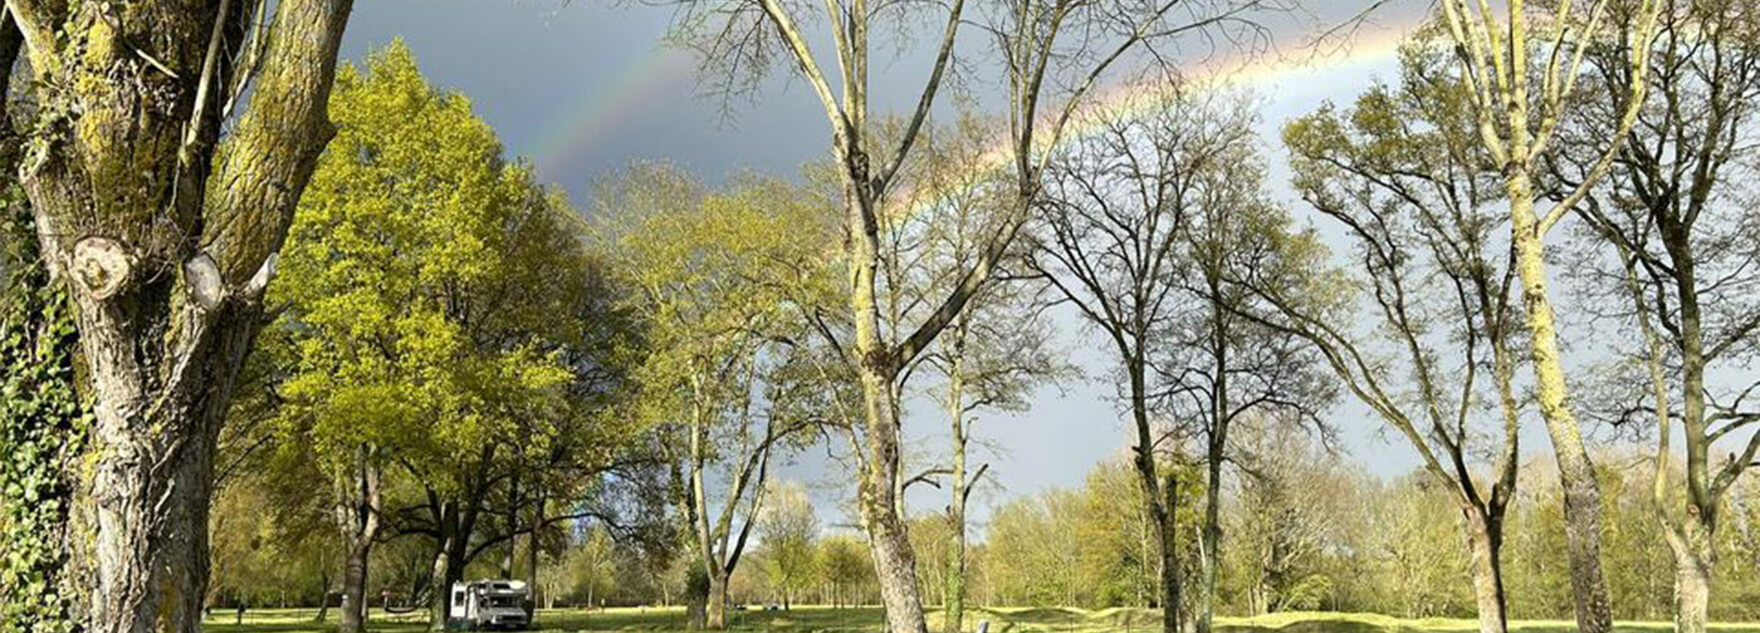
(488, 604)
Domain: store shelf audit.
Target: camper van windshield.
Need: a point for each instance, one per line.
(504, 601)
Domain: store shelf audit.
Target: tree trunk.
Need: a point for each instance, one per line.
(1161, 496)
(1209, 547)
(354, 589)
(1582, 494)
(1485, 540)
(445, 568)
(358, 512)
(1692, 546)
(1170, 580)
(953, 620)
(1210, 541)
(167, 244)
(323, 598)
(147, 499)
(697, 599)
(715, 612)
(532, 559)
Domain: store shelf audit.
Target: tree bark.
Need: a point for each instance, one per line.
(1485, 542)
(323, 597)
(953, 620)
(697, 599)
(531, 604)
(715, 611)
(166, 271)
(1171, 598)
(1582, 493)
(1694, 559)
(895, 564)
(1209, 545)
(448, 563)
(358, 510)
(354, 590)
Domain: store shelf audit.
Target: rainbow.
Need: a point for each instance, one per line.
(1132, 100)
(599, 112)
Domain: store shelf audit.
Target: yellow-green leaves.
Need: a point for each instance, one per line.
(426, 281)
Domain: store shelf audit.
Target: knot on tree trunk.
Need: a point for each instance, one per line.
(101, 266)
(878, 360)
(207, 285)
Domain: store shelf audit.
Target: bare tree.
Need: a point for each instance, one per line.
(1401, 175)
(163, 203)
(1110, 244)
(1675, 213)
(1515, 130)
(1054, 53)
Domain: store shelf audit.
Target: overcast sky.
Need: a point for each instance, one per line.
(585, 87)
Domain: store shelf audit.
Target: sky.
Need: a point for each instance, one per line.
(583, 88)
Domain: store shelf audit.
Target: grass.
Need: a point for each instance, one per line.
(869, 620)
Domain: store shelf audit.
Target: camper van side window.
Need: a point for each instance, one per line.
(458, 598)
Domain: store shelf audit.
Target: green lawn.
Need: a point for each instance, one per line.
(868, 620)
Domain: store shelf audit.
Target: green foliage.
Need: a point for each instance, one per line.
(438, 301)
(43, 424)
(585, 574)
(788, 528)
(1092, 547)
(723, 283)
(399, 238)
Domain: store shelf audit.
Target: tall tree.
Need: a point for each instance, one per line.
(1214, 366)
(788, 529)
(1400, 173)
(1054, 53)
(444, 327)
(1293, 501)
(1517, 120)
(1115, 211)
(1680, 226)
(995, 352)
(712, 276)
(165, 224)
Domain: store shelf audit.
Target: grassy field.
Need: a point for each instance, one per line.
(868, 620)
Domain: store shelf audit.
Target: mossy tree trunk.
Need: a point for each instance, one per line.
(166, 234)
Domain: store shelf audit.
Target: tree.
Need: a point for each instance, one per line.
(788, 529)
(1119, 552)
(585, 573)
(1673, 211)
(1116, 207)
(447, 336)
(844, 567)
(1515, 132)
(1414, 549)
(1401, 174)
(723, 381)
(1293, 502)
(1053, 50)
(165, 224)
(1217, 367)
(993, 354)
